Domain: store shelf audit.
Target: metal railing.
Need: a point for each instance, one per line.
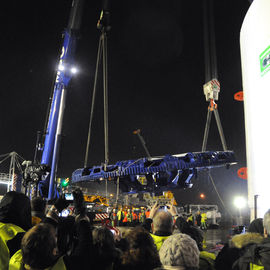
(5, 178)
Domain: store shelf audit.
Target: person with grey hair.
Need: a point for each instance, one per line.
(160, 223)
(179, 251)
(162, 227)
(266, 224)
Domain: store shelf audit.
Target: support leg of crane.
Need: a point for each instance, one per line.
(220, 129)
(206, 130)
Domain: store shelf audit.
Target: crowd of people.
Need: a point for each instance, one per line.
(34, 236)
(128, 217)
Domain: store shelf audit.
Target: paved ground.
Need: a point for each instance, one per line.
(214, 239)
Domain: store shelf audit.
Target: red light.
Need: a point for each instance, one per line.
(202, 196)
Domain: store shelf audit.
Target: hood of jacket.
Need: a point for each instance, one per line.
(242, 240)
(15, 208)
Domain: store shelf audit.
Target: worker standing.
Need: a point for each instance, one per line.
(134, 218)
(203, 222)
(114, 218)
(190, 219)
(198, 219)
(147, 213)
(142, 216)
(125, 218)
(120, 217)
(129, 217)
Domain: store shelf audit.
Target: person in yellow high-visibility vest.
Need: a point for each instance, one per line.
(39, 249)
(190, 219)
(142, 216)
(203, 221)
(120, 217)
(15, 219)
(129, 217)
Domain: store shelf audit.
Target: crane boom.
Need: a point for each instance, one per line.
(43, 175)
(156, 174)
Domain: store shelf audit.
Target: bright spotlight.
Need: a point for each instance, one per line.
(74, 70)
(61, 67)
(239, 202)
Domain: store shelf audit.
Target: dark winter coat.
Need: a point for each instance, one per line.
(233, 250)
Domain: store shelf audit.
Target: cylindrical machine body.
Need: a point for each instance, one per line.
(255, 58)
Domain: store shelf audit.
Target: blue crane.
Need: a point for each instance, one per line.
(43, 174)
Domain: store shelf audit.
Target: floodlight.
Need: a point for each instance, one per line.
(61, 67)
(239, 202)
(73, 70)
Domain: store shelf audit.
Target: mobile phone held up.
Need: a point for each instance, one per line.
(69, 196)
(163, 207)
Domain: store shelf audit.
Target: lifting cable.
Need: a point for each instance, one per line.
(222, 202)
(211, 76)
(211, 86)
(103, 25)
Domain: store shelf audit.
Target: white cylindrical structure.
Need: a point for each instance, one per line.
(255, 58)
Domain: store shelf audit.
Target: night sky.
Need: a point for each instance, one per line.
(155, 78)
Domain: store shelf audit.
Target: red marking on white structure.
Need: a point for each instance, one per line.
(101, 216)
(215, 82)
(14, 182)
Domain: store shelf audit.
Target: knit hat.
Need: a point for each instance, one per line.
(179, 250)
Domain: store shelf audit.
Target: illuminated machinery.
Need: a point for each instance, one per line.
(164, 199)
(156, 174)
(98, 205)
(96, 199)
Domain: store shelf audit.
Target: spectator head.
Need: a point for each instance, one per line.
(266, 223)
(256, 226)
(179, 250)
(105, 251)
(142, 252)
(39, 247)
(15, 208)
(38, 205)
(196, 234)
(162, 223)
(38, 208)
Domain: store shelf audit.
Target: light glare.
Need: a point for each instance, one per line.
(74, 70)
(61, 67)
(239, 202)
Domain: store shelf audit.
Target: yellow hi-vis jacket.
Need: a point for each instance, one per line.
(158, 240)
(204, 217)
(120, 215)
(255, 267)
(7, 232)
(16, 263)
